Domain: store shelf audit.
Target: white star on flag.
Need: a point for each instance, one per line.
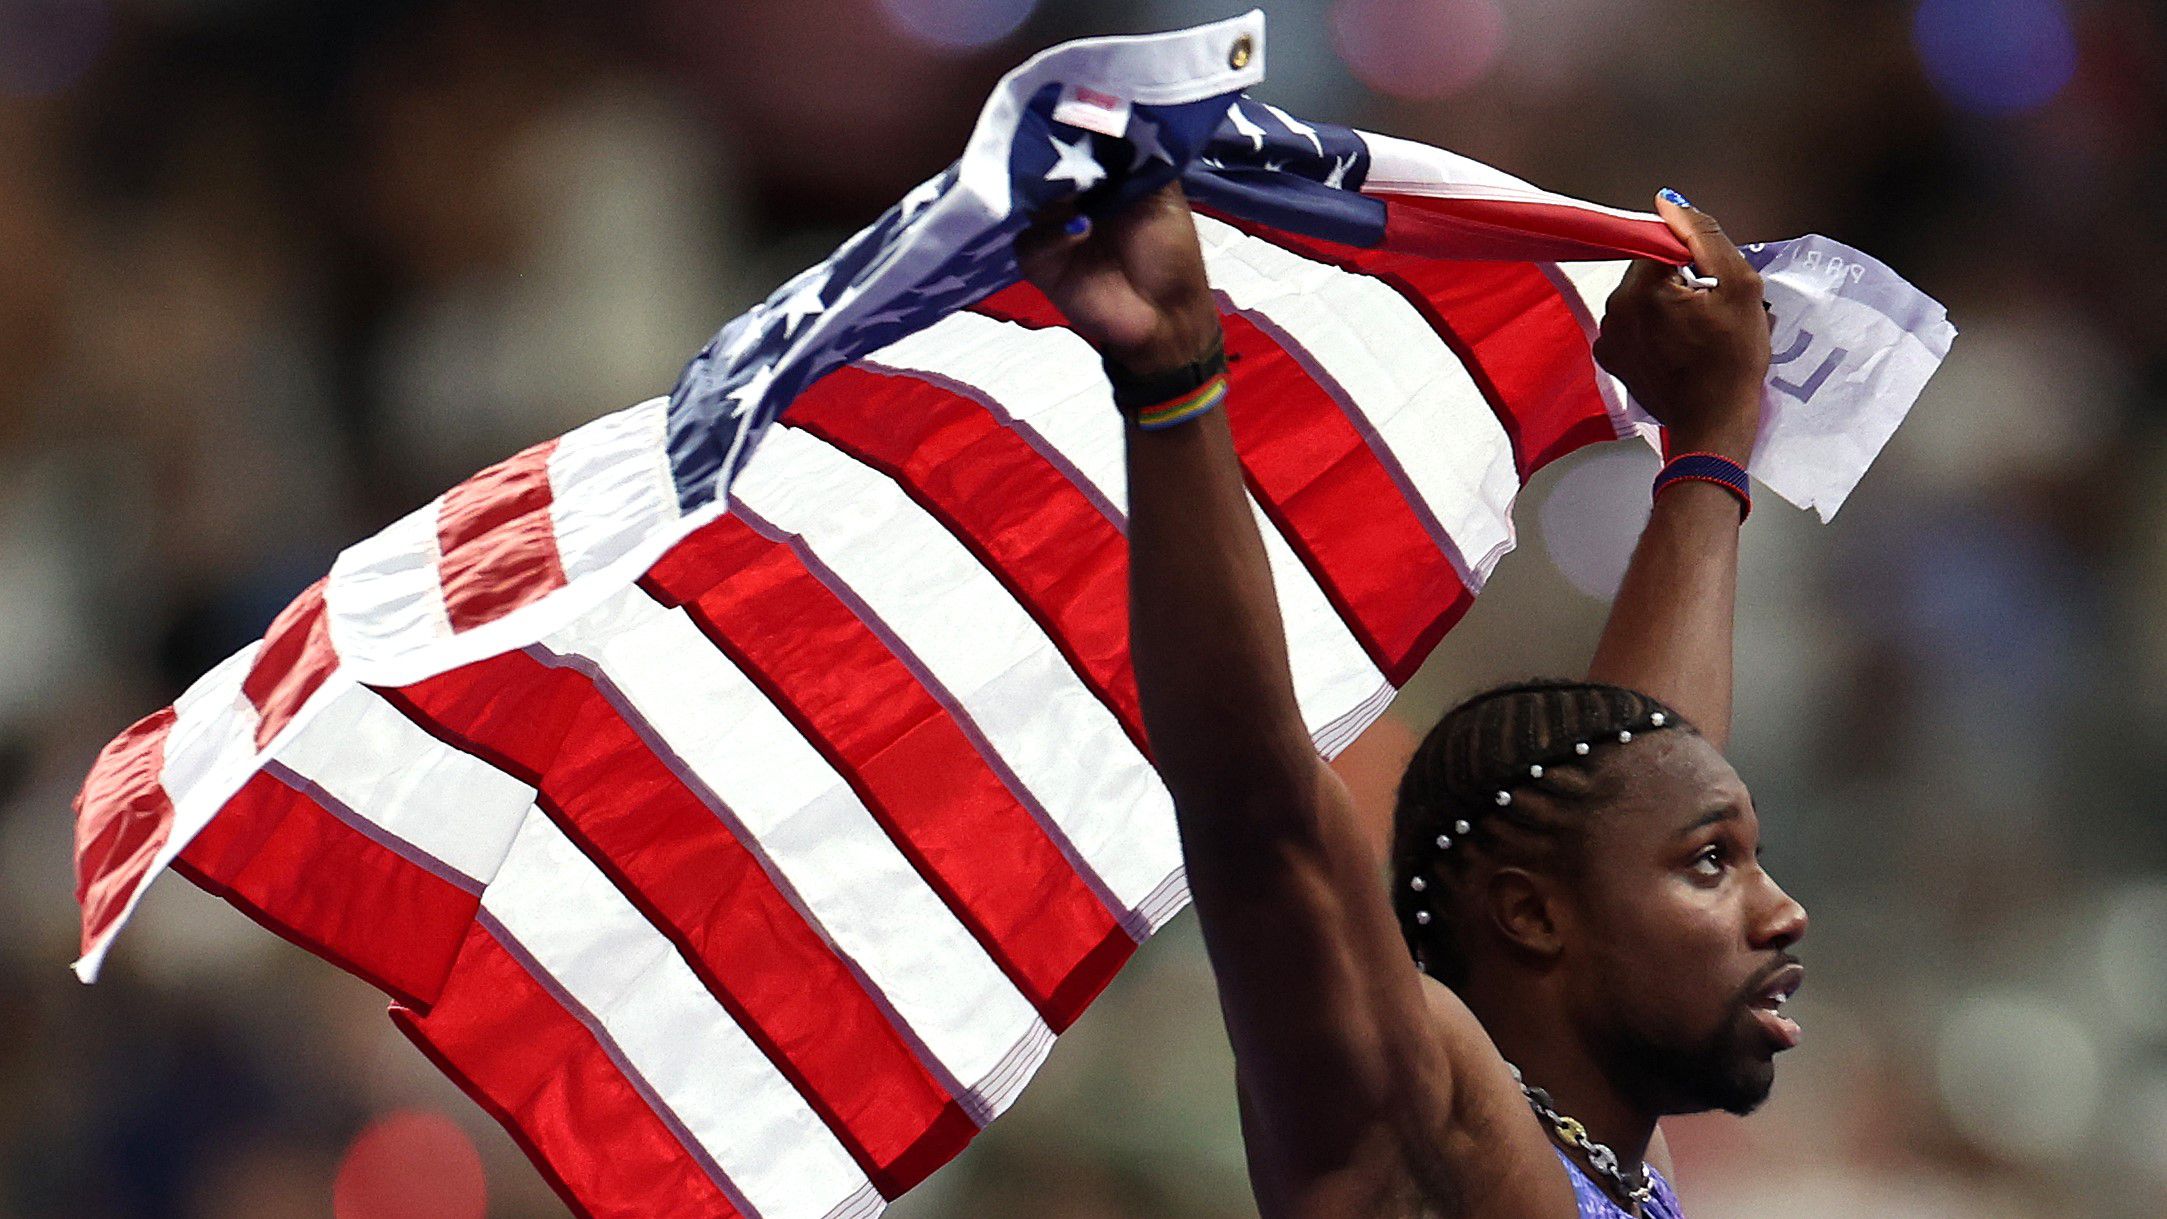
(1145, 136)
(748, 330)
(940, 287)
(748, 395)
(1076, 164)
(803, 303)
(1336, 178)
(1296, 126)
(890, 316)
(1247, 126)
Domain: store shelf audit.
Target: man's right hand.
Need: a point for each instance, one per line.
(1131, 284)
(1695, 358)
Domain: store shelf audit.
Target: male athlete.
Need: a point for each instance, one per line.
(1576, 899)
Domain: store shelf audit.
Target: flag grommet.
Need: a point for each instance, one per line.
(1243, 48)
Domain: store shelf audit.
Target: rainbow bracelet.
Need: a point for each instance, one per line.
(1707, 468)
(1181, 410)
(1171, 398)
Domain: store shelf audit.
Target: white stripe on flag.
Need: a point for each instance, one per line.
(1404, 167)
(1051, 381)
(610, 486)
(212, 745)
(1397, 378)
(456, 809)
(1047, 380)
(680, 1048)
(444, 807)
(803, 821)
(917, 584)
(383, 601)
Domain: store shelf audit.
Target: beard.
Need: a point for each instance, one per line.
(1672, 1070)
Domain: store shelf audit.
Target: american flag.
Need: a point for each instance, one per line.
(738, 812)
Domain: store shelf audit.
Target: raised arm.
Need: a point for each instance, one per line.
(1695, 358)
(1323, 1006)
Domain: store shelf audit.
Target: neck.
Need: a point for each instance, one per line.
(1536, 1038)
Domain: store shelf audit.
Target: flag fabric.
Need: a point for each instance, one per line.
(738, 794)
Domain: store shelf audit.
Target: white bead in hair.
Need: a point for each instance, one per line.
(1535, 771)
(1422, 917)
(1658, 719)
(1581, 748)
(1461, 828)
(1444, 841)
(1418, 884)
(1625, 736)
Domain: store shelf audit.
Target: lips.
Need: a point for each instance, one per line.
(1767, 1003)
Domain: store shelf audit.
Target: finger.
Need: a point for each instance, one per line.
(1713, 252)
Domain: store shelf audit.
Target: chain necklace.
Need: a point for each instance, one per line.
(1638, 1188)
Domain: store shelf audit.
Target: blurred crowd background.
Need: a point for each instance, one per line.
(272, 272)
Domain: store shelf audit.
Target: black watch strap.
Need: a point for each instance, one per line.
(1133, 393)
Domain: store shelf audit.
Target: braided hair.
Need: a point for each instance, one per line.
(1510, 774)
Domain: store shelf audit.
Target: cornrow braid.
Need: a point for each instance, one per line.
(1467, 790)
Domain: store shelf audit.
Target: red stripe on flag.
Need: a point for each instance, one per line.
(499, 548)
(676, 861)
(1313, 473)
(906, 758)
(285, 861)
(1510, 326)
(536, 1068)
(123, 817)
(296, 658)
(1048, 544)
(1338, 507)
(1498, 229)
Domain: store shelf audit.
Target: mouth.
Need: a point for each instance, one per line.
(1766, 1004)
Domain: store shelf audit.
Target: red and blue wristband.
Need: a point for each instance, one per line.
(1707, 468)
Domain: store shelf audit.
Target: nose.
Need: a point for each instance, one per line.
(1781, 922)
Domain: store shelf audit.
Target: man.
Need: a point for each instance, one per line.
(1576, 868)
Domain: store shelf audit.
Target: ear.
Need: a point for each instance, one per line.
(1525, 909)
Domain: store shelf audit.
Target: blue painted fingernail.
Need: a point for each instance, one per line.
(1077, 226)
(1675, 197)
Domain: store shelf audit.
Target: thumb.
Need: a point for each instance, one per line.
(1044, 248)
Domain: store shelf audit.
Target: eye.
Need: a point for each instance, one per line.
(1710, 861)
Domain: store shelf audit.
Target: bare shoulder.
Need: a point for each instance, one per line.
(1492, 1158)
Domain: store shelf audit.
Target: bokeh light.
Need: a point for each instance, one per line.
(2019, 1075)
(46, 45)
(958, 25)
(412, 1164)
(2131, 966)
(1996, 56)
(1593, 514)
(1418, 49)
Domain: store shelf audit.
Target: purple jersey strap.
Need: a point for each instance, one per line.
(1595, 1204)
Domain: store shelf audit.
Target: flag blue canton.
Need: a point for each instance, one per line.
(944, 247)
(1266, 166)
